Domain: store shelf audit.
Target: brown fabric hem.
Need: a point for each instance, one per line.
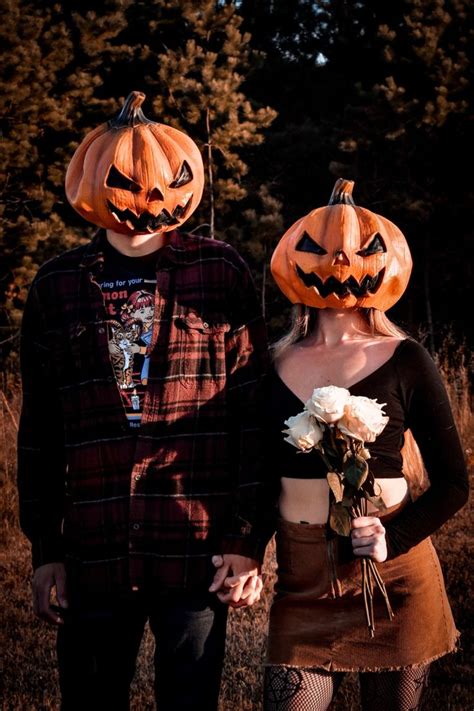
(331, 667)
(313, 623)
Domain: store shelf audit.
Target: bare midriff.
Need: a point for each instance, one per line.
(308, 499)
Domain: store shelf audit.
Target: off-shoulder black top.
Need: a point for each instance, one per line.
(416, 399)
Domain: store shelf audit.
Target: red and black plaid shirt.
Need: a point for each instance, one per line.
(127, 509)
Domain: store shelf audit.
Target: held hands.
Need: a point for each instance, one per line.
(47, 577)
(237, 581)
(368, 538)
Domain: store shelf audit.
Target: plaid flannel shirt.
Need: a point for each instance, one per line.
(124, 509)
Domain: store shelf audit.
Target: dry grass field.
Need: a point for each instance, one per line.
(30, 679)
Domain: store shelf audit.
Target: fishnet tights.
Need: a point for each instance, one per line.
(289, 689)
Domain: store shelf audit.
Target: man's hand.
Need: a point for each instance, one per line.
(237, 581)
(47, 577)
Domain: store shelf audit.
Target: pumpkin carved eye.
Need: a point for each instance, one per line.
(307, 244)
(116, 179)
(185, 176)
(376, 246)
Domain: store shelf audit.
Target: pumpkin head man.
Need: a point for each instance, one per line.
(342, 256)
(134, 345)
(135, 176)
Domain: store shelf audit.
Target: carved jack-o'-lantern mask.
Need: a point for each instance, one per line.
(342, 256)
(135, 176)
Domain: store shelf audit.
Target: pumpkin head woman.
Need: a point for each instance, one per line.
(342, 256)
(342, 267)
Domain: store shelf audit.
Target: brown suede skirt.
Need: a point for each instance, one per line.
(317, 618)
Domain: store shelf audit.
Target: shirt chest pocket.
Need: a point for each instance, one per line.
(79, 350)
(202, 347)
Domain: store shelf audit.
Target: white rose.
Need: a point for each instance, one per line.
(303, 431)
(327, 404)
(363, 419)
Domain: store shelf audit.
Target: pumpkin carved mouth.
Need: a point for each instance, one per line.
(147, 222)
(369, 284)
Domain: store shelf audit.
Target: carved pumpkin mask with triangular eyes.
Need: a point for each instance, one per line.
(342, 256)
(135, 176)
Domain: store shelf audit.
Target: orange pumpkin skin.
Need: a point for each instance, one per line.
(342, 256)
(135, 176)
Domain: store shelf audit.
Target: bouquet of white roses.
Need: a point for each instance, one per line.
(338, 425)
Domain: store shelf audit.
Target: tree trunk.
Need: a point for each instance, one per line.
(210, 174)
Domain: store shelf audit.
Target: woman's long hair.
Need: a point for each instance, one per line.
(303, 322)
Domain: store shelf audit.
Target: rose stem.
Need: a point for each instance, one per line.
(383, 590)
(368, 603)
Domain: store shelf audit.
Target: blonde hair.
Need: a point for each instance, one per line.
(303, 322)
(304, 319)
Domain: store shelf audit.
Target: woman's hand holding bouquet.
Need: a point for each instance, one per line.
(338, 425)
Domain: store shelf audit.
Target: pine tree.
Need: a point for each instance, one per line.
(410, 139)
(389, 104)
(290, 29)
(428, 96)
(67, 67)
(49, 99)
(202, 80)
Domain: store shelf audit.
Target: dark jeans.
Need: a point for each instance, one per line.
(98, 645)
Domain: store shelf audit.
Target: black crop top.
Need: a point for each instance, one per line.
(410, 385)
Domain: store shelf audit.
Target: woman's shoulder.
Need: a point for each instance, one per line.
(410, 351)
(415, 364)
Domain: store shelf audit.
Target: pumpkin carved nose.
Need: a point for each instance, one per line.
(340, 257)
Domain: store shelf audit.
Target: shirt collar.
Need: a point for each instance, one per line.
(174, 251)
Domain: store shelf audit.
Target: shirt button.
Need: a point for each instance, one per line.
(136, 526)
(101, 330)
(205, 324)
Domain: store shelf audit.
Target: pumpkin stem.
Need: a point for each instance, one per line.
(131, 113)
(342, 193)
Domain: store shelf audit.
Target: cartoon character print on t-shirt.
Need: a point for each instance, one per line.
(130, 322)
(122, 351)
(135, 335)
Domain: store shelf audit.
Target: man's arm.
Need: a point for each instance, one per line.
(252, 522)
(41, 467)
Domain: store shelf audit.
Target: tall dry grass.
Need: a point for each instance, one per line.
(30, 678)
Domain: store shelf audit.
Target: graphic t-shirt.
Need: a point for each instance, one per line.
(128, 287)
